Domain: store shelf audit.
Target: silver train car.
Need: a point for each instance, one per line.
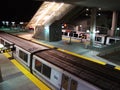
(59, 70)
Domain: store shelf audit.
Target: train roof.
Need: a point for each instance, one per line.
(25, 44)
(100, 75)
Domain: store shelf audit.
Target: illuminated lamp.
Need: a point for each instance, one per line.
(118, 28)
(87, 9)
(87, 31)
(99, 14)
(99, 8)
(65, 25)
(97, 31)
(86, 14)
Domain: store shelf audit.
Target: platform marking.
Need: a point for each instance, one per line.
(7, 55)
(50, 46)
(35, 80)
(117, 67)
(68, 39)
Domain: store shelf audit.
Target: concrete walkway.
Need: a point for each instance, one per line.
(13, 79)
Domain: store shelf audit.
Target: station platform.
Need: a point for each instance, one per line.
(16, 77)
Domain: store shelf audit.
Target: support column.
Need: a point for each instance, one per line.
(114, 23)
(93, 26)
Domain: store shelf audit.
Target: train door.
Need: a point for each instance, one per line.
(73, 85)
(68, 83)
(65, 82)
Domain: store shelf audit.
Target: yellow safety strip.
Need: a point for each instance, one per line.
(35, 80)
(117, 67)
(50, 46)
(84, 57)
(7, 55)
(74, 40)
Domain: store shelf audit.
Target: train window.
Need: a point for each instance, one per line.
(38, 65)
(73, 85)
(65, 80)
(23, 55)
(46, 71)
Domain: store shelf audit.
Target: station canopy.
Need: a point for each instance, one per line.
(48, 13)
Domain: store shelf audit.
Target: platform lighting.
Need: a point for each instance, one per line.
(3, 22)
(13, 23)
(99, 14)
(7, 23)
(87, 31)
(118, 28)
(80, 25)
(21, 22)
(99, 8)
(86, 14)
(87, 9)
(97, 31)
(62, 26)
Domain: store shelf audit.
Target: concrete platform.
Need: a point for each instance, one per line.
(13, 78)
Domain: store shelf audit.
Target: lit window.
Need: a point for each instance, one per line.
(38, 65)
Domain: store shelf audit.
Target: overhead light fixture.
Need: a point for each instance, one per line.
(86, 14)
(99, 8)
(87, 31)
(99, 14)
(87, 9)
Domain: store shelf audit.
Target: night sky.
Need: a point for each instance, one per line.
(18, 10)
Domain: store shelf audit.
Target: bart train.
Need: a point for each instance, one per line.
(59, 70)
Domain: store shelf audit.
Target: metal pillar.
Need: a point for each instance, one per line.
(93, 26)
(114, 23)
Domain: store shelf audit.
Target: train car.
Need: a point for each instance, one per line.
(101, 39)
(53, 70)
(67, 72)
(112, 40)
(7, 45)
(24, 49)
